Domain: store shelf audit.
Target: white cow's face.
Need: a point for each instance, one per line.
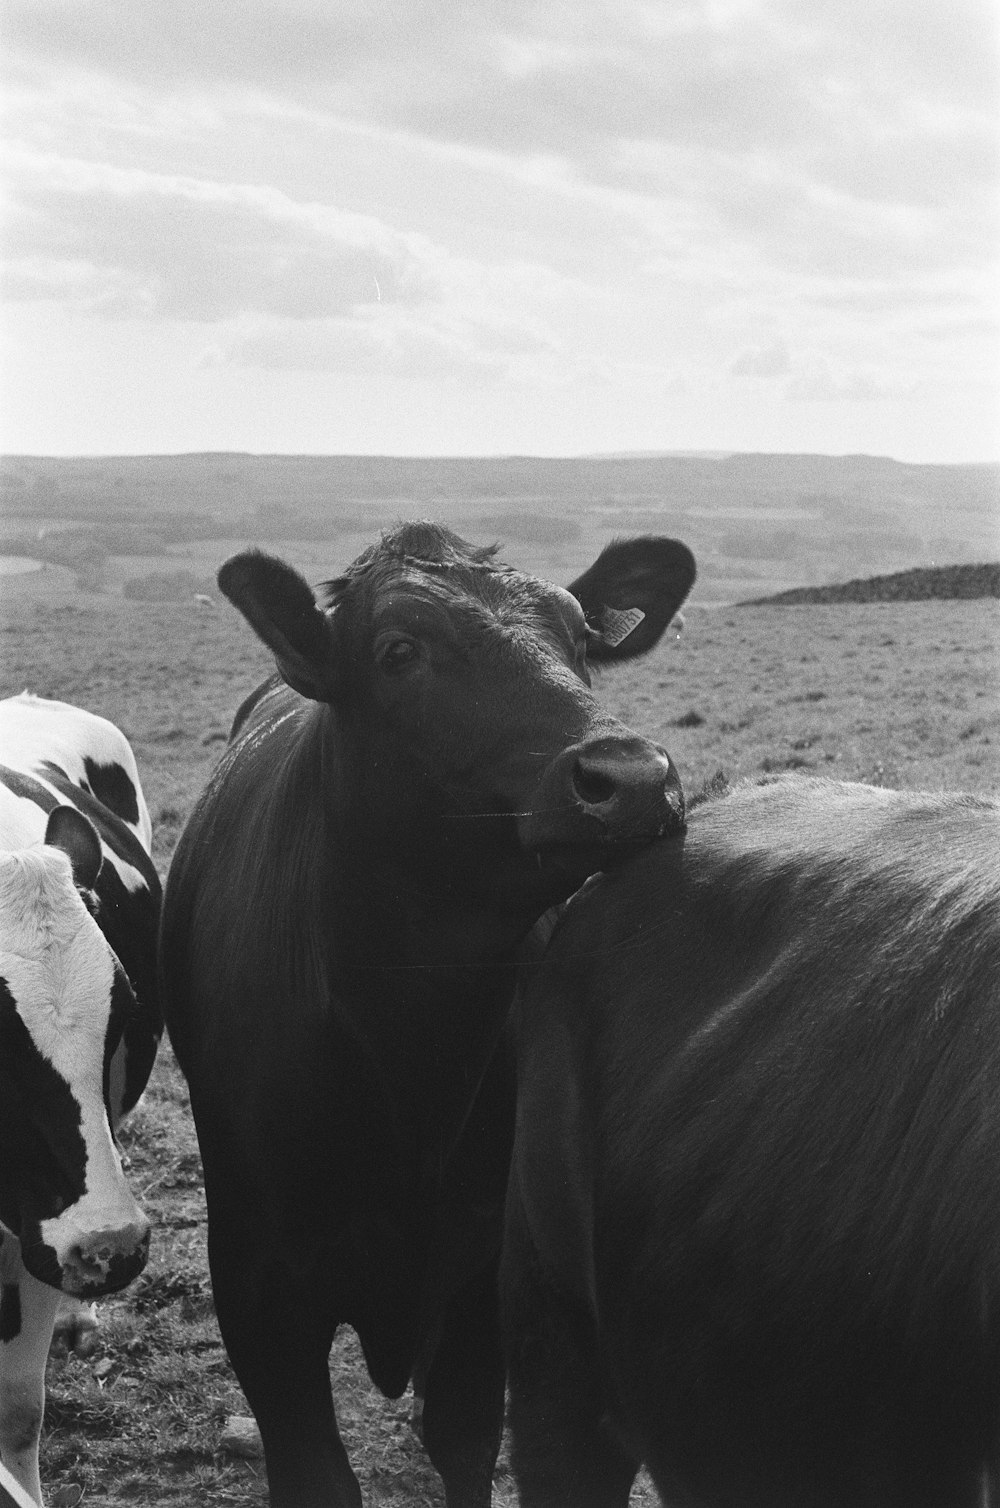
(63, 1001)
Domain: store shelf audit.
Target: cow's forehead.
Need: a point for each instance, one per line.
(58, 968)
(41, 910)
(463, 590)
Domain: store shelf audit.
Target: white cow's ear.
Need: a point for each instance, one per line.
(280, 607)
(73, 833)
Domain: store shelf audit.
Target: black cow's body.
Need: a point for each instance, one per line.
(753, 1229)
(340, 928)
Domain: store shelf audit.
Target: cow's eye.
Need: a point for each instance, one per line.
(398, 654)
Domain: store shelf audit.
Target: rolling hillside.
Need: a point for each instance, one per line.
(921, 584)
(759, 524)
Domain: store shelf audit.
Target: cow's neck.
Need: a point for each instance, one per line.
(430, 986)
(447, 936)
(430, 1037)
(422, 951)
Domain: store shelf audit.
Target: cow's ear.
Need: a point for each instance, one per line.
(76, 835)
(630, 594)
(280, 607)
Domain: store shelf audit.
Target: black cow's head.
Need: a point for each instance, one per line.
(64, 1001)
(467, 732)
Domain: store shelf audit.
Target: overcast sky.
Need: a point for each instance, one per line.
(480, 226)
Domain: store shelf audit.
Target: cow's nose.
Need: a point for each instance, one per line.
(105, 1260)
(603, 797)
(630, 786)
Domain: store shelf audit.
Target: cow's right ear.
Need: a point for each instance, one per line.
(280, 607)
(76, 835)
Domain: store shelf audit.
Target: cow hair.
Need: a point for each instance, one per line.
(428, 546)
(892, 900)
(437, 564)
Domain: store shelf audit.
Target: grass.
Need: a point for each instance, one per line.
(897, 694)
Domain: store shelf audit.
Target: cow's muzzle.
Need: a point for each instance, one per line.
(602, 799)
(97, 1262)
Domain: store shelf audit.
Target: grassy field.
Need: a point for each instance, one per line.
(896, 694)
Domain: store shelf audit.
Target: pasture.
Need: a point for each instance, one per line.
(901, 694)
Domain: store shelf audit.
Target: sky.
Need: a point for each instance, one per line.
(443, 227)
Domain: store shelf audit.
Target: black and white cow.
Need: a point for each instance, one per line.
(341, 925)
(51, 753)
(753, 1226)
(68, 781)
(67, 1218)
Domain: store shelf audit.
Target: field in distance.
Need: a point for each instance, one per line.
(758, 524)
(902, 694)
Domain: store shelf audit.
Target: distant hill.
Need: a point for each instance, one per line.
(918, 585)
(758, 524)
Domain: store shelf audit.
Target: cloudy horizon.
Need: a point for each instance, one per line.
(474, 228)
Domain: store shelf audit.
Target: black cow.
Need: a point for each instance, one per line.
(340, 929)
(753, 1226)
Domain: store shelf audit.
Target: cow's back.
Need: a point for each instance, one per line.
(759, 1114)
(44, 736)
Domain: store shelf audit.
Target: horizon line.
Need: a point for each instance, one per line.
(685, 453)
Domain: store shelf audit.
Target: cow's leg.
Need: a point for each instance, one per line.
(564, 1452)
(464, 1396)
(278, 1330)
(31, 1307)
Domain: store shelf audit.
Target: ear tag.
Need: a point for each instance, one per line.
(618, 623)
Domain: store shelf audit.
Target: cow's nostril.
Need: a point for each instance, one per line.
(592, 787)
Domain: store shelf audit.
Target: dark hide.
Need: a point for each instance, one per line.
(753, 1228)
(340, 935)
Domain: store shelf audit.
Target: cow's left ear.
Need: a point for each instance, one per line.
(630, 594)
(76, 835)
(280, 607)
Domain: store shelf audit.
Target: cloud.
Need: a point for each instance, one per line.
(128, 242)
(552, 76)
(401, 343)
(819, 134)
(766, 361)
(816, 383)
(273, 45)
(192, 248)
(552, 191)
(288, 284)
